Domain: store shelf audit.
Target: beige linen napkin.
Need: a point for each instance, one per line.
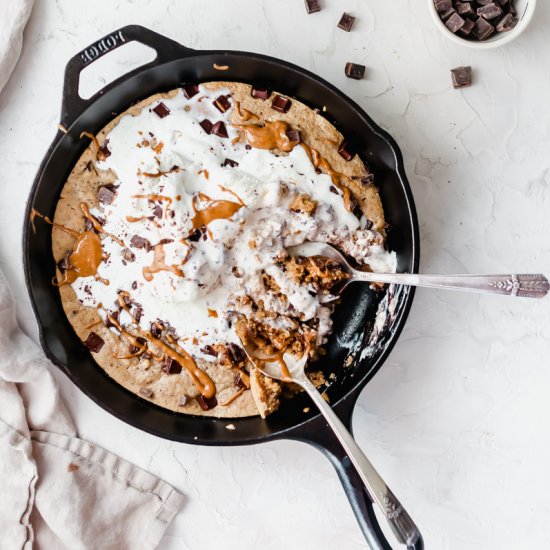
(56, 490)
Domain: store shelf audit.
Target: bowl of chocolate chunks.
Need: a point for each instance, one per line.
(482, 24)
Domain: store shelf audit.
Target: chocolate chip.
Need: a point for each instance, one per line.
(94, 342)
(230, 162)
(443, 5)
(461, 77)
(294, 136)
(190, 90)
(161, 110)
(209, 350)
(355, 71)
(508, 22)
(345, 152)
(281, 104)
(106, 193)
(333, 189)
(171, 366)
(455, 23)
(346, 22)
(128, 255)
(482, 29)
(206, 125)
(206, 403)
(248, 147)
(146, 392)
(219, 129)
(490, 11)
(182, 401)
(236, 353)
(195, 236)
(222, 103)
(157, 211)
(114, 316)
(312, 6)
(139, 242)
(134, 285)
(260, 93)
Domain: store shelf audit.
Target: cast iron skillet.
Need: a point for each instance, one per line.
(354, 318)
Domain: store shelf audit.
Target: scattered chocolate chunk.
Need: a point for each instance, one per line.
(156, 329)
(171, 366)
(462, 77)
(161, 110)
(367, 180)
(195, 236)
(157, 211)
(94, 342)
(146, 392)
(240, 383)
(230, 162)
(209, 350)
(190, 90)
(206, 403)
(64, 264)
(106, 193)
(333, 189)
(134, 285)
(345, 152)
(182, 401)
(443, 5)
(294, 136)
(207, 126)
(313, 6)
(260, 93)
(138, 312)
(222, 103)
(104, 151)
(139, 242)
(146, 355)
(355, 71)
(281, 104)
(454, 23)
(219, 129)
(108, 322)
(490, 11)
(368, 224)
(507, 23)
(346, 22)
(128, 255)
(236, 353)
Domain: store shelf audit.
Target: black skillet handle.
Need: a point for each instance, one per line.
(321, 436)
(73, 105)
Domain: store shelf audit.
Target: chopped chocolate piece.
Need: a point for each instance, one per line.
(294, 136)
(138, 312)
(508, 22)
(484, 2)
(345, 152)
(236, 353)
(190, 90)
(206, 403)
(455, 23)
(108, 322)
(140, 242)
(260, 93)
(368, 224)
(128, 255)
(466, 28)
(465, 9)
(182, 401)
(248, 147)
(207, 126)
(166, 241)
(171, 366)
(146, 355)
(209, 350)
(333, 189)
(281, 104)
(482, 29)
(219, 129)
(367, 180)
(490, 11)
(104, 151)
(240, 383)
(156, 329)
(146, 392)
(355, 71)
(222, 103)
(157, 211)
(134, 285)
(462, 77)
(94, 342)
(106, 193)
(161, 110)
(195, 236)
(312, 6)
(446, 15)
(346, 22)
(443, 5)
(230, 162)
(64, 264)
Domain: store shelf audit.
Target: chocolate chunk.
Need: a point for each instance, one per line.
(94, 342)
(219, 129)
(236, 353)
(230, 162)
(345, 152)
(157, 211)
(206, 125)
(106, 193)
(368, 224)
(134, 285)
(64, 264)
(156, 329)
(240, 382)
(104, 151)
(455, 23)
(161, 110)
(206, 403)
(138, 312)
(128, 255)
(209, 350)
(171, 366)
(464, 9)
(355, 71)
(222, 103)
(482, 29)
(462, 77)
(182, 401)
(484, 2)
(466, 29)
(108, 322)
(293, 136)
(195, 236)
(367, 180)
(260, 93)
(190, 90)
(508, 22)
(136, 349)
(313, 6)
(443, 5)
(346, 22)
(446, 15)
(490, 11)
(139, 242)
(333, 189)
(146, 392)
(281, 104)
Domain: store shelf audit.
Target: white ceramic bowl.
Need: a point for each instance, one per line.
(525, 9)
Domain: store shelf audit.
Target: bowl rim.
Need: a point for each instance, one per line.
(505, 38)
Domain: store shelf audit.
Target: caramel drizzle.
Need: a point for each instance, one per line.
(159, 264)
(245, 114)
(216, 210)
(272, 135)
(226, 190)
(98, 152)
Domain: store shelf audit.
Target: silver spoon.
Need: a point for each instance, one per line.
(399, 520)
(523, 285)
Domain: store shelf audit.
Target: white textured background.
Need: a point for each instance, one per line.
(457, 420)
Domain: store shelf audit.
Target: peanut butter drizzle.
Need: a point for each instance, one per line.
(205, 173)
(133, 339)
(132, 219)
(159, 264)
(84, 258)
(212, 313)
(216, 210)
(245, 114)
(98, 152)
(272, 135)
(153, 197)
(93, 324)
(226, 190)
(159, 173)
(96, 225)
(35, 214)
(237, 394)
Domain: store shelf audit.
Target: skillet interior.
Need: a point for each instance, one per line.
(353, 318)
